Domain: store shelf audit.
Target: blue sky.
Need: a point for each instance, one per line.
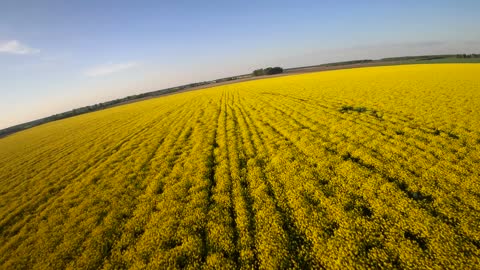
(58, 55)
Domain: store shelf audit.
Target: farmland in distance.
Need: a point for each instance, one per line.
(359, 168)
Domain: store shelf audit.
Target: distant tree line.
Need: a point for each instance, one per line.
(333, 64)
(430, 57)
(417, 57)
(267, 71)
(473, 55)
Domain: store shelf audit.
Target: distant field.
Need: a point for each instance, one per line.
(357, 168)
(444, 60)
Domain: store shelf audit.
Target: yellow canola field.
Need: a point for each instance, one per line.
(360, 168)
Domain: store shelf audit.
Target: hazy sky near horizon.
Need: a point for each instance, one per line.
(59, 55)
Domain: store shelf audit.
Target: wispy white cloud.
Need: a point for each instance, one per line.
(104, 70)
(15, 47)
